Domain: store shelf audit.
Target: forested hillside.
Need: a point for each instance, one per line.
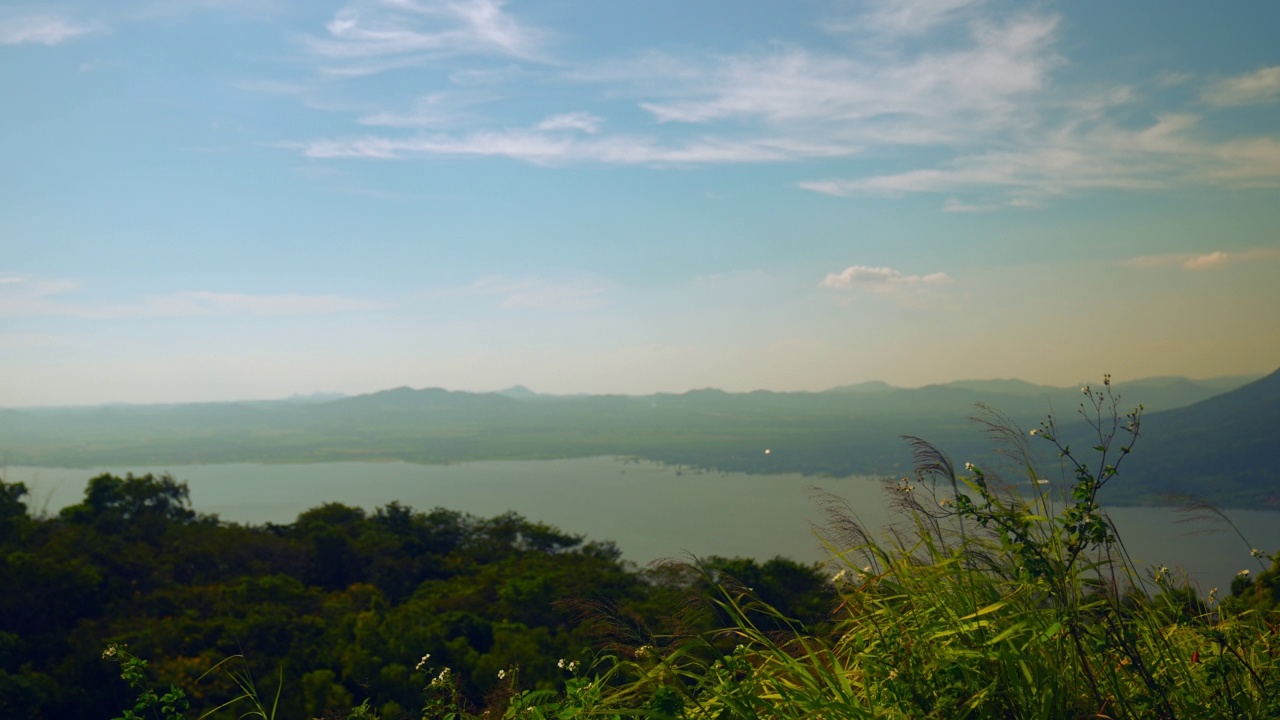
(341, 605)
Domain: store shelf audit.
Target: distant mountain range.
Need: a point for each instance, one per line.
(1225, 449)
(1207, 437)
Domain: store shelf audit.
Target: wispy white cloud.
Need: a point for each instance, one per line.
(881, 279)
(272, 87)
(1203, 261)
(584, 121)
(933, 96)
(437, 110)
(547, 147)
(23, 296)
(1256, 88)
(471, 77)
(372, 36)
(29, 340)
(1174, 79)
(1244, 162)
(147, 10)
(208, 303)
(539, 294)
(1188, 261)
(895, 18)
(33, 298)
(1165, 154)
(954, 205)
(40, 30)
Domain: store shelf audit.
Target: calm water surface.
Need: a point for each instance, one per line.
(651, 511)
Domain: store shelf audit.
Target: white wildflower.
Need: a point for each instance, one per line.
(560, 664)
(1035, 431)
(968, 466)
(1243, 573)
(502, 674)
(1255, 552)
(423, 661)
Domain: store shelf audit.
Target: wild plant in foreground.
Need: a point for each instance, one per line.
(1000, 600)
(173, 705)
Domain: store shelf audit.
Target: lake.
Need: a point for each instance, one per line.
(650, 510)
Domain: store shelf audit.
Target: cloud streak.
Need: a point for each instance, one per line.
(881, 279)
(40, 30)
(945, 95)
(1165, 154)
(1203, 261)
(539, 294)
(904, 18)
(373, 36)
(48, 298)
(547, 146)
(1260, 87)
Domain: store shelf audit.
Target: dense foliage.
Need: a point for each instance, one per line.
(341, 604)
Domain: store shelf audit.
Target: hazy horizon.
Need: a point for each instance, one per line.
(323, 395)
(216, 200)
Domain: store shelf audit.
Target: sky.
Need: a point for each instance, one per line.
(208, 200)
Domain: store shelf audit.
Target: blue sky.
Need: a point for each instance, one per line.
(228, 199)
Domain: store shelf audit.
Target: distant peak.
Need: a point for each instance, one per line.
(518, 392)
